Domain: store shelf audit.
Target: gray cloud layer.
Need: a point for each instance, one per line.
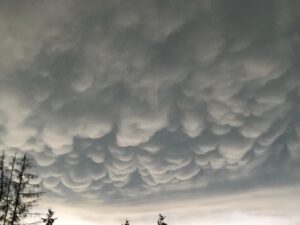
(122, 99)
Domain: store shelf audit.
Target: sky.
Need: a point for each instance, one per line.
(139, 107)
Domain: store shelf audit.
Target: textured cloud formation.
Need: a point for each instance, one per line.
(117, 100)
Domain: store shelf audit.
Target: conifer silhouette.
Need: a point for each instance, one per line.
(26, 194)
(2, 175)
(161, 220)
(18, 194)
(3, 181)
(126, 222)
(49, 220)
(8, 198)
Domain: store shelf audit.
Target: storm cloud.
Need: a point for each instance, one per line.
(120, 100)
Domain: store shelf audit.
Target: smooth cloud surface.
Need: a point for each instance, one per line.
(120, 100)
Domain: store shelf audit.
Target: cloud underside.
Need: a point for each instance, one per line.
(123, 99)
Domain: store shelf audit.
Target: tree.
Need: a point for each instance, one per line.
(161, 220)
(18, 193)
(8, 197)
(49, 220)
(3, 179)
(25, 192)
(126, 222)
(2, 175)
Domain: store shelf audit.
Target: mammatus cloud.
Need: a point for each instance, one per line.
(120, 100)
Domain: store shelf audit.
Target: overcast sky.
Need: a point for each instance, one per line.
(130, 108)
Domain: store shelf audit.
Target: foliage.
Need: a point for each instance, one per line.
(49, 220)
(161, 220)
(126, 222)
(18, 193)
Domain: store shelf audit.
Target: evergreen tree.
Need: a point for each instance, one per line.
(18, 194)
(3, 179)
(161, 220)
(49, 220)
(126, 222)
(25, 193)
(8, 195)
(2, 176)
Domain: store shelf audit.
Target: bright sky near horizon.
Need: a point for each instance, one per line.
(132, 108)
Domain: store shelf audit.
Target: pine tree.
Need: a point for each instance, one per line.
(8, 192)
(2, 186)
(18, 193)
(2, 176)
(25, 193)
(161, 220)
(49, 220)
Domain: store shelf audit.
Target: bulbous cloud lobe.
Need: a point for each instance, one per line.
(122, 99)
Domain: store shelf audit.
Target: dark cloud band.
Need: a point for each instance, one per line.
(123, 97)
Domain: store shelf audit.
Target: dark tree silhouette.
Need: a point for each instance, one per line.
(3, 180)
(26, 194)
(2, 175)
(161, 220)
(49, 220)
(17, 191)
(7, 203)
(126, 222)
